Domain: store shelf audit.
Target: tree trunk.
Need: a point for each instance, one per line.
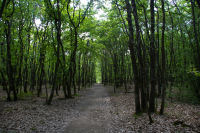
(133, 57)
(33, 68)
(64, 70)
(72, 65)
(152, 60)
(172, 55)
(26, 60)
(79, 72)
(163, 59)
(2, 7)
(195, 35)
(11, 80)
(140, 57)
(41, 60)
(158, 70)
(19, 82)
(58, 29)
(115, 71)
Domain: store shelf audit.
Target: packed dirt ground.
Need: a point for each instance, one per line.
(95, 110)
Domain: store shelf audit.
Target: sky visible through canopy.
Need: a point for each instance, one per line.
(100, 14)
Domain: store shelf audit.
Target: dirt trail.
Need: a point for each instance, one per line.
(95, 116)
(97, 110)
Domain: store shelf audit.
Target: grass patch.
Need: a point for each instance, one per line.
(76, 95)
(43, 95)
(41, 122)
(23, 95)
(4, 98)
(8, 109)
(33, 128)
(166, 105)
(137, 115)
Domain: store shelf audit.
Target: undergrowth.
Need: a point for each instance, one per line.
(183, 94)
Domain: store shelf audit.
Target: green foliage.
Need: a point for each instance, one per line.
(102, 53)
(98, 72)
(194, 72)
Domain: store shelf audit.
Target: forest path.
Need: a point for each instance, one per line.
(95, 116)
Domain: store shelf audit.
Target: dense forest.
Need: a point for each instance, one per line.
(52, 48)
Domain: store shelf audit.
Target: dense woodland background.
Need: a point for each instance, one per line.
(57, 47)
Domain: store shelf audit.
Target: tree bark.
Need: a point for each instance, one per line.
(58, 29)
(26, 58)
(152, 60)
(11, 80)
(163, 59)
(195, 34)
(158, 70)
(140, 58)
(19, 79)
(2, 7)
(133, 57)
(79, 72)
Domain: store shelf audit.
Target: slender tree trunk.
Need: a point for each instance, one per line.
(152, 60)
(140, 57)
(74, 60)
(33, 68)
(133, 57)
(2, 71)
(19, 82)
(41, 60)
(115, 71)
(64, 70)
(11, 80)
(26, 58)
(5, 86)
(172, 55)
(146, 23)
(54, 78)
(41, 75)
(163, 59)
(58, 29)
(2, 7)
(79, 72)
(72, 66)
(158, 71)
(195, 34)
